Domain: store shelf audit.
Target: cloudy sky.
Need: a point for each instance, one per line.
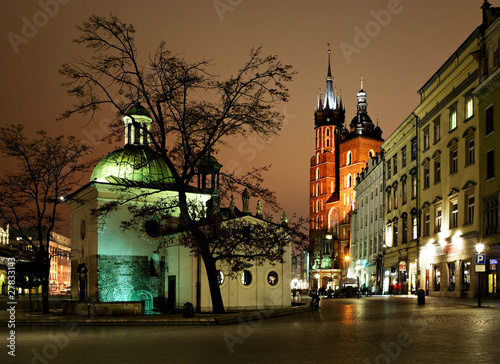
(395, 45)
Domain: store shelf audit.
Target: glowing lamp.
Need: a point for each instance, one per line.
(479, 248)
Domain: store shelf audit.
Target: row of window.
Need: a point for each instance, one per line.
(392, 234)
(490, 218)
(451, 267)
(392, 192)
(392, 163)
(364, 249)
(246, 278)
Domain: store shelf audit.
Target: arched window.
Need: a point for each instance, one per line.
(349, 181)
(317, 158)
(317, 173)
(371, 153)
(349, 158)
(334, 222)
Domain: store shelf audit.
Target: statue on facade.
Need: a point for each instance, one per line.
(246, 201)
(259, 209)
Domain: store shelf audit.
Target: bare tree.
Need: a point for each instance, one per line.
(46, 171)
(193, 111)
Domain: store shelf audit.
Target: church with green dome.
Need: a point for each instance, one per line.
(141, 269)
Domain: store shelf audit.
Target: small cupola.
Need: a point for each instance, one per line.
(208, 166)
(137, 124)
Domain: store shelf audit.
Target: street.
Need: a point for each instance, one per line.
(367, 330)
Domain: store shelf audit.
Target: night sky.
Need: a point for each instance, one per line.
(407, 42)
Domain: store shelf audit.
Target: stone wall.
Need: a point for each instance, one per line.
(131, 278)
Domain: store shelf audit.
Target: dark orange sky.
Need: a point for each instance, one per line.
(407, 42)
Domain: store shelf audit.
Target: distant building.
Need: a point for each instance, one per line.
(367, 238)
(401, 212)
(59, 254)
(340, 154)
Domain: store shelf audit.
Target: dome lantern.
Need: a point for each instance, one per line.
(137, 123)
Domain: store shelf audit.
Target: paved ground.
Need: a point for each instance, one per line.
(367, 330)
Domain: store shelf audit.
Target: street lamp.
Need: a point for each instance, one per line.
(479, 250)
(317, 277)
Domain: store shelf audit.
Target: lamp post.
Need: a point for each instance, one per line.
(479, 250)
(317, 276)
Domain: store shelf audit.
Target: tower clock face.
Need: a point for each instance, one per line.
(83, 229)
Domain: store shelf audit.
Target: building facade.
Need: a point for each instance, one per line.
(488, 108)
(340, 155)
(367, 238)
(401, 219)
(450, 172)
(146, 261)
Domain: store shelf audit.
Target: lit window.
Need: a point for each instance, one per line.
(437, 130)
(220, 277)
(414, 227)
(438, 220)
(404, 191)
(454, 215)
(426, 138)
(427, 224)
(272, 278)
(469, 107)
(246, 277)
(437, 278)
(453, 119)
(465, 276)
(414, 186)
(470, 209)
(349, 181)
(395, 197)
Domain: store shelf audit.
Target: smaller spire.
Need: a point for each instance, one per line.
(329, 68)
(361, 82)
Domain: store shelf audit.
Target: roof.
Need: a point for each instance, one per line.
(133, 163)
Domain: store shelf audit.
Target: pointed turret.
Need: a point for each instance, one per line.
(329, 102)
(328, 110)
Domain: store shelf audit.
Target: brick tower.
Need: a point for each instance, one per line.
(340, 155)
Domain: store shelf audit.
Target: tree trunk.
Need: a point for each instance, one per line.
(45, 280)
(213, 283)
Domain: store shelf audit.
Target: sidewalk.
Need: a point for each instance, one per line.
(56, 317)
(455, 302)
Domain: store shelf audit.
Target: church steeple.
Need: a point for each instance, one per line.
(330, 101)
(329, 110)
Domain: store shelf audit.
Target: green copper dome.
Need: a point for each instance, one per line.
(138, 163)
(138, 109)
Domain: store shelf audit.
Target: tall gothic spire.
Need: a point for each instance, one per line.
(330, 101)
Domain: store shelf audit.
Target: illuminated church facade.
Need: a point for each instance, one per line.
(113, 265)
(340, 154)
